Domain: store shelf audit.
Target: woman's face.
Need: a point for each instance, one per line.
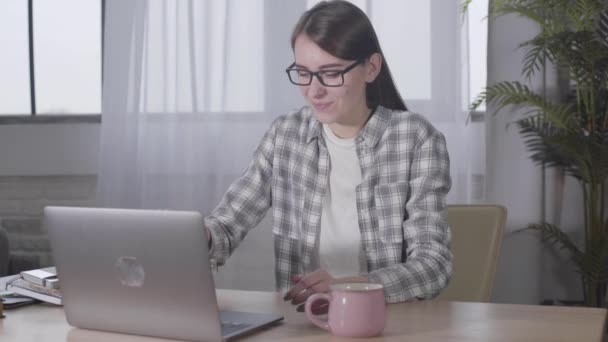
(342, 105)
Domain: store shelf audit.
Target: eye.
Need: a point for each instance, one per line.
(330, 74)
(303, 73)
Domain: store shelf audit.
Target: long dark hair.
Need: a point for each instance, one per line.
(343, 30)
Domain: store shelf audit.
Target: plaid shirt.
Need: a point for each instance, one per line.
(401, 201)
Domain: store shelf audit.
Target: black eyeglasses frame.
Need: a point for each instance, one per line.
(318, 74)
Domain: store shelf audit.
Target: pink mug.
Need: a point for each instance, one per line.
(355, 309)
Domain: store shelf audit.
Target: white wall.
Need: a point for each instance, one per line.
(49, 149)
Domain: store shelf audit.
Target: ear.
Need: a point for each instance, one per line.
(373, 67)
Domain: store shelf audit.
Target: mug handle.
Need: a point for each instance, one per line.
(308, 308)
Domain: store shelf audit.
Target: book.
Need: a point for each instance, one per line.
(41, 277)
(29, 289)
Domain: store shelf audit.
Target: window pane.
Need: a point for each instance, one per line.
(14, 58)
(478, 37)
(404, 31)
(67, 46)
(245, 57)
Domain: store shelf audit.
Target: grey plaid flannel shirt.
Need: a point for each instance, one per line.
(400, 201)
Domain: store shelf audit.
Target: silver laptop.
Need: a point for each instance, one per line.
(140, 272)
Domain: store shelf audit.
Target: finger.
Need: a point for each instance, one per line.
(305, 282)
(302, 296)
(294, 291)
(320, 287)
(308, 280)
(297, 288)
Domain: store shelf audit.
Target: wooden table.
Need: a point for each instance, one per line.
(416, 321)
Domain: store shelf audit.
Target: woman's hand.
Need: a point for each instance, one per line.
(308, 284)
(318, 281)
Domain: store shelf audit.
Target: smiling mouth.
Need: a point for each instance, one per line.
(322, 106)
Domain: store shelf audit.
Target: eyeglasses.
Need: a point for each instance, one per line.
(328, 78)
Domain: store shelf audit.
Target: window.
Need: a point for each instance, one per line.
(64, 73)
(477, 32)
(14, 67)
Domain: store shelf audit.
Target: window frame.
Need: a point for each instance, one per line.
(33, 117)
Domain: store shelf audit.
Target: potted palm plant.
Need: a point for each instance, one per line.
(570, 133)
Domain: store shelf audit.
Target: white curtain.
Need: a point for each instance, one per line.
(191, 86)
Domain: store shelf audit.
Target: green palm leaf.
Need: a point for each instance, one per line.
(464, 6)
(535, 58)
(535, 131)
(603, 28)
(591, 264)
(578, 152)
(522, 8)
(552, 235)
(508, 93)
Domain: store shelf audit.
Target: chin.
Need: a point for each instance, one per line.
(326, 117)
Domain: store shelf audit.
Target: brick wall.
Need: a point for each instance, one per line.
(22, 199)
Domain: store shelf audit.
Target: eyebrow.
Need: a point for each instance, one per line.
(324, 66)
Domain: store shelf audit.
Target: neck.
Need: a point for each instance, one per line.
(350, 129)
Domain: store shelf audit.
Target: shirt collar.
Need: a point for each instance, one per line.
(370, 134)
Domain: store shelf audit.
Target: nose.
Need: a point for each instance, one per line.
(316, 89)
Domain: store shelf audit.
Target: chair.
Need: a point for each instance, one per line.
(477, 232)
(3, 252)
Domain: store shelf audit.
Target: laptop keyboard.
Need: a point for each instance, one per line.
(232, 327)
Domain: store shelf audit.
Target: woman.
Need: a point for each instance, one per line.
(357, 183)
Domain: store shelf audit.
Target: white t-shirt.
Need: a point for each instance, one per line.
(340, 251)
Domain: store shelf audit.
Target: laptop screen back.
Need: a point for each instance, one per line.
(135, 271)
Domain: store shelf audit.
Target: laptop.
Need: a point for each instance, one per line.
(143, 272)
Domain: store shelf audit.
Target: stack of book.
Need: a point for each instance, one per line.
(37, 284)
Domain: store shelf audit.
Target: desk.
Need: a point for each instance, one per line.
(416, 321)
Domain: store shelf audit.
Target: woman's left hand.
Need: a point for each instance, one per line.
(315, 282)
(308, 284)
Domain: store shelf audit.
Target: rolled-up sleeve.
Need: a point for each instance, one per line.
(426, 234)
